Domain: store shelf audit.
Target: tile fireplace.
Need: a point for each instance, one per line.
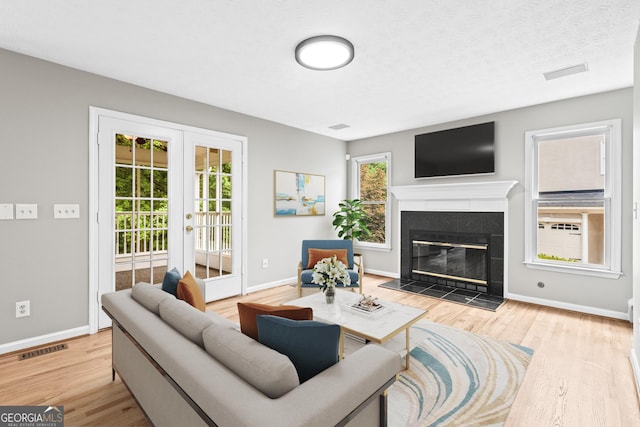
(452, 241)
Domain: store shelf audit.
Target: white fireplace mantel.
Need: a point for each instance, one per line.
(479, 196)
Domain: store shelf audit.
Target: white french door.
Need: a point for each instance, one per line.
(212, 211)
(165, 196)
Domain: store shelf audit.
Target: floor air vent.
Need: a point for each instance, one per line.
(41, 351)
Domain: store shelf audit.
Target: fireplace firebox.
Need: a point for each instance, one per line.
(459, 260)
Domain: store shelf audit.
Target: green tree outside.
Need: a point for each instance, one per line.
(373, 193)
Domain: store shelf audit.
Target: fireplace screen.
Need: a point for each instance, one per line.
(456, 261)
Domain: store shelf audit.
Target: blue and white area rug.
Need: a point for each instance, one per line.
(456, 378)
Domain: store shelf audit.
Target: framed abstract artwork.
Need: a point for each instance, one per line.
(298, 194)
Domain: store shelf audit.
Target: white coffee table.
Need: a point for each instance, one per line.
(378, 328)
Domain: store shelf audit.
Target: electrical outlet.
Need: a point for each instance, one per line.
(29, 211)
(265, 263)
(66, 211)
(23, 309)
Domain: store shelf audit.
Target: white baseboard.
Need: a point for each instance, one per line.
(636, 370)
(293, 280)
(270, 285)
(43, 339)
(571, 307)
(382, 273)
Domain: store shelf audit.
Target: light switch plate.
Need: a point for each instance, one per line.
(66, 211)
(6, 211)
(29, 211)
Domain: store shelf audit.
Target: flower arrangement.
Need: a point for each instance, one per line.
(328, 272)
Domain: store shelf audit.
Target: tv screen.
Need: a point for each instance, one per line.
(465, 150)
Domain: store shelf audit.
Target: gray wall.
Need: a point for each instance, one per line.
(601, 294)
(44, 159)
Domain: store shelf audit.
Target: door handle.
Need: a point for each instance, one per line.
(189, 228)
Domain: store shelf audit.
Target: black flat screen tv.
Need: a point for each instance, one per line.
(465, 150)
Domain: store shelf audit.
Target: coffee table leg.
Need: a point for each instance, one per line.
(408, 349)
(341, 345)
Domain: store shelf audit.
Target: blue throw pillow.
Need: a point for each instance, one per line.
(312, 346)
(170, 281)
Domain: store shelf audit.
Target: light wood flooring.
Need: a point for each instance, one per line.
(580, 374)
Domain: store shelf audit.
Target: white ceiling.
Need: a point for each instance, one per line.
(417, 62)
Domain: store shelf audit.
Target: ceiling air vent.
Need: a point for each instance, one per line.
(550, 75)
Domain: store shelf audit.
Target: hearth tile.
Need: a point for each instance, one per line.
(413, 288)
(466, 293)
(392, 284)
(445, 289)
(447, 293)
(455, 296)
(490, 298)
(434, 293)
(485, 304)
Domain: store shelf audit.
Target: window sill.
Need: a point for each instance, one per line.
(372, 247)
(585, 271)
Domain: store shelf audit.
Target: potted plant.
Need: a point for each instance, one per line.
(351, 221)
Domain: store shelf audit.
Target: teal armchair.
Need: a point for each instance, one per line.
(305, 270)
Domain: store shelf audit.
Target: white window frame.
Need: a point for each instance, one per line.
(355, 194)
(612, 195)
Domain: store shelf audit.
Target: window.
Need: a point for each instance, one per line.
(370, 180)
(573, 199)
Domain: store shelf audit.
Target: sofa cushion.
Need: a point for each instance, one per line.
(249, 310)
(150, 296)
(189, 291)
(312, 346)
(185, 319)
(170, 281)
(316, 255)
(220, 320)
(267, 370)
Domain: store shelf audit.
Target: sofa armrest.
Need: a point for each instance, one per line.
(331, 396)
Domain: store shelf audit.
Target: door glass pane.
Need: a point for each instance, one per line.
(160, 150)
(214, 160)
(141, 214)
(160, 179)
(213, 251)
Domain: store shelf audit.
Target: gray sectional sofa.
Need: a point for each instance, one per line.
(189, 368)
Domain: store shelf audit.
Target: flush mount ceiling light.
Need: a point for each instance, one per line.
(324, 52)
